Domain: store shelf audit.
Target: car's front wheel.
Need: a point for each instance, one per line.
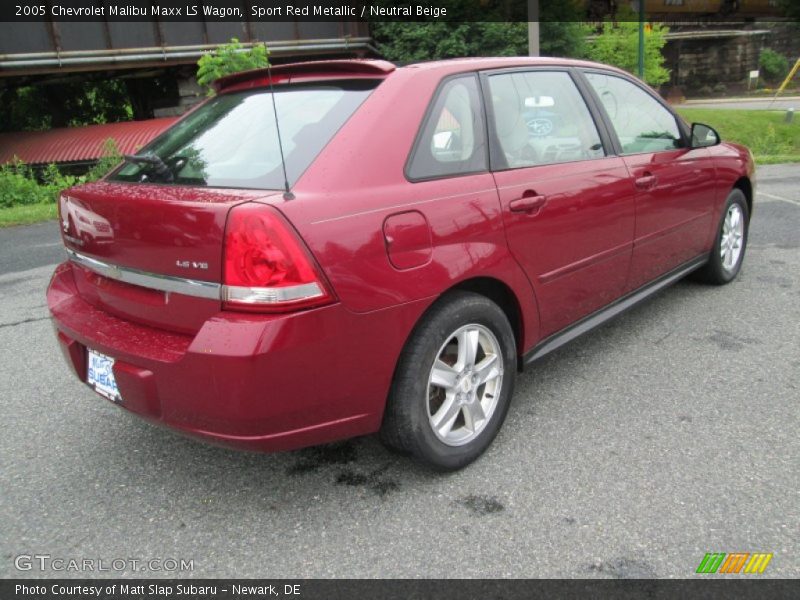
(453, 383)
(727, 254)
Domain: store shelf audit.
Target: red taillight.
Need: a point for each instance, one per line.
(267, 269)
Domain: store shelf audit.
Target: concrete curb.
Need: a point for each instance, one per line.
(742, 100)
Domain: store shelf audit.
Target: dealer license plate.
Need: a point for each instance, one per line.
(100, 376)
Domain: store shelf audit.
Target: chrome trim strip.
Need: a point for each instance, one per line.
(164, 283)
(194, 287)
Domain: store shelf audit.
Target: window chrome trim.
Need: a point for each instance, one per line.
(154, 281)
(196, 288)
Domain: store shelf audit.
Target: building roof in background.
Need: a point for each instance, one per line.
(78, 144)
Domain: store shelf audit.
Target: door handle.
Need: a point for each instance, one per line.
(646, 181)
(529, 203)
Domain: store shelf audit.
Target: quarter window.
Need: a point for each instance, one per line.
(452, 140)
(641, 122)
(540, 118)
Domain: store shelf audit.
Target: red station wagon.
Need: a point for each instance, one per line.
(333, 249)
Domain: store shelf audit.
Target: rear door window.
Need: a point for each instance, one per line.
(540, 118)
(452, 140)
(232, 141)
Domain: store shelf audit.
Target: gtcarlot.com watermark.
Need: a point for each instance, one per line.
(46, 562)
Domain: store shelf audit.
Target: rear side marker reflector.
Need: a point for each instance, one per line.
(255, 295)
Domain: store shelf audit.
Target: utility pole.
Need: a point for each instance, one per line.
(641, 39)
(533, 27)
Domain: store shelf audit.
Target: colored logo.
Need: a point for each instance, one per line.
(736, 562)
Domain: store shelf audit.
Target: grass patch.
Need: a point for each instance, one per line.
(765, 132)
(26, 214)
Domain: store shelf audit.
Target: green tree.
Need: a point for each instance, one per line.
(67, 104)
(230, 58)
(561, 30)
(486, 28)
(618, 45)
(410, 42)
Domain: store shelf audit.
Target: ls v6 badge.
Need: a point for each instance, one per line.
(191, 264)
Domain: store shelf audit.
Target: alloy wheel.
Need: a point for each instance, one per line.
(730, 245)
(464, 384)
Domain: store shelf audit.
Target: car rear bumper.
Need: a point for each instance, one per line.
(260, 382)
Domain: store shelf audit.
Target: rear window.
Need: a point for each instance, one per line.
(231, 141)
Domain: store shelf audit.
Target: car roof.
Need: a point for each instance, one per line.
(343, 69)
(456, 65)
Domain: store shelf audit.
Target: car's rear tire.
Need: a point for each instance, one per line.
(453, 383)
(727, 254)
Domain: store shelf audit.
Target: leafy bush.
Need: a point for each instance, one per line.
(111, 158)
(227, 59)
(618, 45)
(20, 184)
(774, 66)
(55, 180)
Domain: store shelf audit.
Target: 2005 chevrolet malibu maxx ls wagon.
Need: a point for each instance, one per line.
(337, 248)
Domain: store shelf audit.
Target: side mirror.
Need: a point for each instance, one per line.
(704, 136)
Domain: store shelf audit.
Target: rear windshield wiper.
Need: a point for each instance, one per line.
(160, 168)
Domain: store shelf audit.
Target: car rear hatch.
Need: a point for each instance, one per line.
(151, 254)
(149, 241)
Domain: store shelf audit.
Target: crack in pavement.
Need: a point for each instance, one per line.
(23, 321)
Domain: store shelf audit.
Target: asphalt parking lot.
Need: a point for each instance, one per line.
(666, 434)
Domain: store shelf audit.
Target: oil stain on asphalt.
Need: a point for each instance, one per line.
(374, 481)
(481, 505)
(730, 341)
(312, 460)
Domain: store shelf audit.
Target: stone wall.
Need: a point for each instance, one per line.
(727, 59)
(786, 40)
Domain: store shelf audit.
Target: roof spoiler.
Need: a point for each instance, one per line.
(325, 68)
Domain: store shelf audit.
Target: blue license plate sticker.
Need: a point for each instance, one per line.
(100, 375)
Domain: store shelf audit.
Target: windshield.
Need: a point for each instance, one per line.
(231, 141)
